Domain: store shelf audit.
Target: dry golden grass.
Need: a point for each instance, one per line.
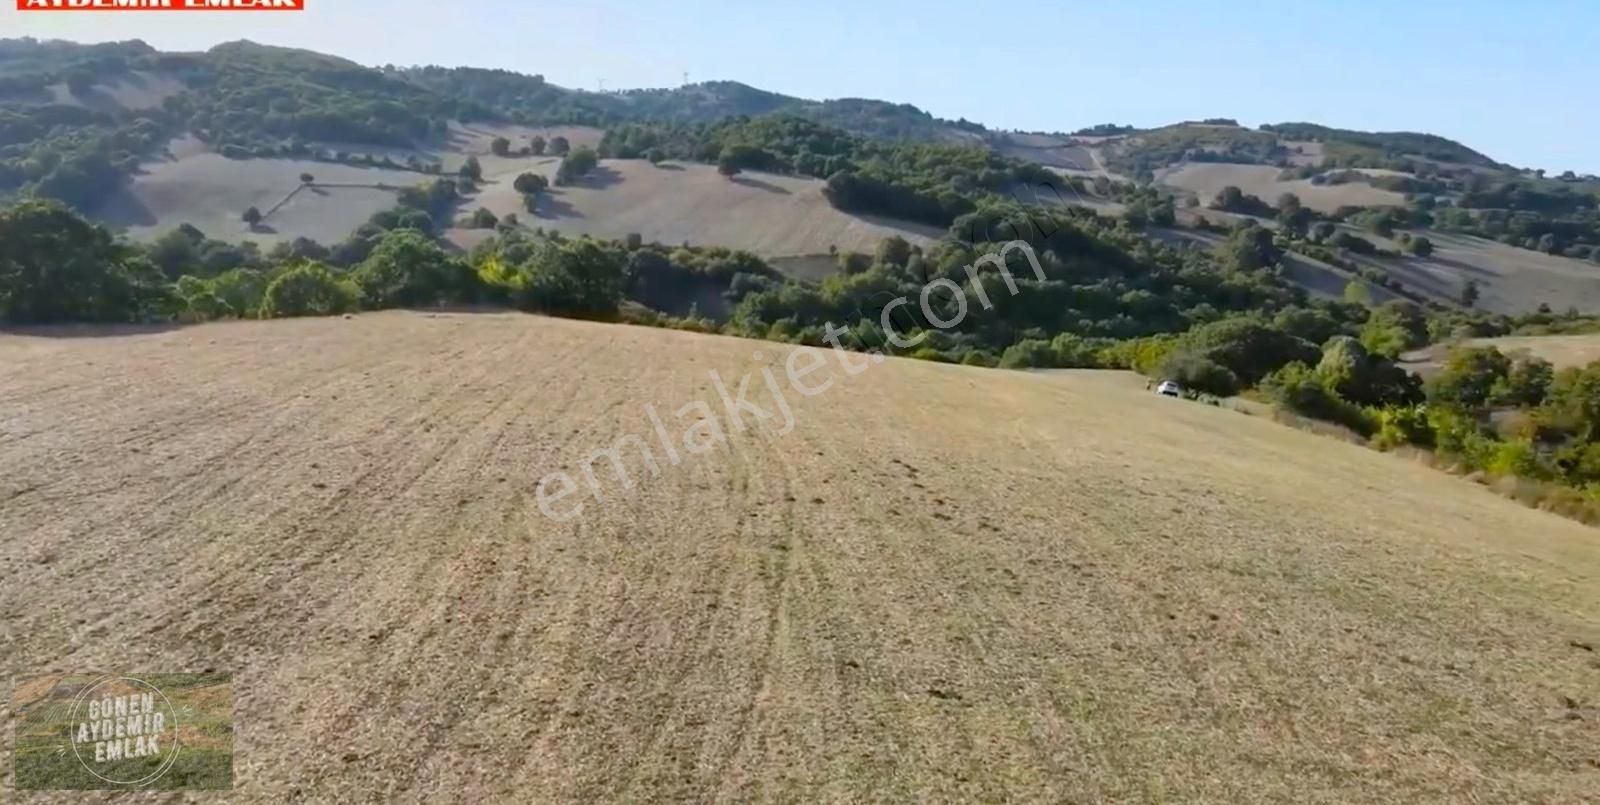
(1206, 179)
(945, 584)
(674, 203)
(1561, 350)
(197, 186)
(1510, 279)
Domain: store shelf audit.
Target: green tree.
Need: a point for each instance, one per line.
(483, 218)
(306, 178)
(251, 216)
(577, 164)
(1421, 247)
(893, 251)
(1393, 328)
(536, 145)
(308, 290)
(1526, 385)
(472, 170)
(727, 167)
(1200, 373)
(530, 183)
(558, 146)
(1250, 248)
(500, 147)
(1469, 377)
(55, 267)
(408, 269)
(1469, 294)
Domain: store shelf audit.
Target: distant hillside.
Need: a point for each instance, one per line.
(530, 100)
(1387, 144)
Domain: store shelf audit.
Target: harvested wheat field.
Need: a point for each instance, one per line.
(197, 186)
(1206, 179)
(1562, 351)
(945, 583)
(673, 203)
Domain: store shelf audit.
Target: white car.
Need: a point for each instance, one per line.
(1169, 389)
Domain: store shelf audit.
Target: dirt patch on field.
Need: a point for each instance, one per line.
(1206, 179)
(945, 583)
(673, 203)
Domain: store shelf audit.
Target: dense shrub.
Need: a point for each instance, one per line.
(55, 266)
(1197, 372)
(1302, 390)
(309, 290)
(1028, 354)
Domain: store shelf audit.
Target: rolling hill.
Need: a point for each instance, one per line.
(1101, 595)
(147, 141)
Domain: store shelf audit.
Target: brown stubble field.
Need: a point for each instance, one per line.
(946, 583)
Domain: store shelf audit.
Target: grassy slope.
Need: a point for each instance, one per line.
(1206, 179)
(1510, 280)
(1561, 350)
(946, 583)
(211, 192)
(771, 215)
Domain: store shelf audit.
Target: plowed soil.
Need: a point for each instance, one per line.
(944, 584)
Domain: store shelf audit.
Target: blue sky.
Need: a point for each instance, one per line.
(1518, 81)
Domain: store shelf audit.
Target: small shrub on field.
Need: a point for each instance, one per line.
(1516, 458)
(1401, 426)
(930, 354)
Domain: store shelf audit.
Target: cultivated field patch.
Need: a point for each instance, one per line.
(1206, 179)
(943, 583)
(1510, 279)
(196, 186)
(673, 203)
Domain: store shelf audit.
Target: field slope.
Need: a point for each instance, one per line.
(946, 583)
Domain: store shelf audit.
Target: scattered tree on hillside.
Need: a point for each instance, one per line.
(482, 218)
(1292, 215)
(727, 166)
(558, 146)
(500, 147)
(1232, 199)
(530, 183)
(472, 169)
(536, 145)
(1469, 294)
(1250, 248)
(251, 216)
(578, 163)
(306, 178)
